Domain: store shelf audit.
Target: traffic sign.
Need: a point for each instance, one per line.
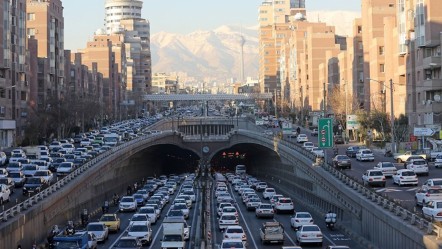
(423, 132)
(325, 136)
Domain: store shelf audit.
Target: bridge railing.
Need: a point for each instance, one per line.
(392, 206)
(103, 157)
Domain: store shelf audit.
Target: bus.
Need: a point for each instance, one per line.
(240, 169)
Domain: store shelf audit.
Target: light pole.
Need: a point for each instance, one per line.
(393, 142)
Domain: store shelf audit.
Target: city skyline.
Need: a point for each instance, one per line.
(78, 32)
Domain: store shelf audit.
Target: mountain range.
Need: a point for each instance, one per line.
(216, 54)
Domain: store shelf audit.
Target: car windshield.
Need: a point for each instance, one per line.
(310, 229)
(108, 218)
(138, 196)
(342, 158)
(376, 173)
(127, 199)
(234, 230)
(41, 173)
(265, 207)
(126, 243)
(147, 210)
(387, 164)
(228, 217)
(172, 237)
(437, 182)
(95, 227)
(67, 245)
(34, 181)
(366, 152)
(14, 175)
(302, 215)
(419, 162)
(408, 173)
(139, 218)
(30, 167)
(233, 244)
(438, 204)
(138, 228)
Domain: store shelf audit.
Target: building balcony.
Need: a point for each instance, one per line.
(430, 106)
(431, 62)
(430, 84)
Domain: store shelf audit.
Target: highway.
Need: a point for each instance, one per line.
(251, 224)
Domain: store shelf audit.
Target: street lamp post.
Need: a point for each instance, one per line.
(393, 142)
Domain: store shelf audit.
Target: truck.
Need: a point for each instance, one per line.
(173, 233)
(76, 241)
(111, 139)
(271, 232)
(32, 152)
(400, 158)
(5, 193)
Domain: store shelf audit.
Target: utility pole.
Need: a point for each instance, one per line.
(276, 105)
(324, 102)
(393, 141)
(346, 114)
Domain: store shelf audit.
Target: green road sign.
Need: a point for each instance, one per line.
(325, 133)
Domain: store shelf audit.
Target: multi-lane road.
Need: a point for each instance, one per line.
(251, 224)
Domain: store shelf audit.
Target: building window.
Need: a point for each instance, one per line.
(30, 16)
(31, 31)
(360, 46)
(381, 68)
(381, 50)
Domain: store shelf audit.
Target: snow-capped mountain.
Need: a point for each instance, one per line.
(216, 53)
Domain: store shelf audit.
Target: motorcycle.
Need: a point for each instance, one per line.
(330, 220)
(388, 153)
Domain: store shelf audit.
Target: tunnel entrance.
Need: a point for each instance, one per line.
(254, 156)
(165, 159)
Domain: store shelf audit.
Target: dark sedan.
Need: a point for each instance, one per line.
(339, 140)
(342, 161)
(352, 150)
(34, 185)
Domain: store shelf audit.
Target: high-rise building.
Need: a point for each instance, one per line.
(117, 10)
(45, 22)
(14, 85)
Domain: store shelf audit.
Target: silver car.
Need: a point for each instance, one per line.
(99, 229)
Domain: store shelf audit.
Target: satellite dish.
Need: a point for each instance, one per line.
(437, 98)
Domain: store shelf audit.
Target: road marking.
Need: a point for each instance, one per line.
(388, 190)
(245, 223)
(287, 235)
(412, 189)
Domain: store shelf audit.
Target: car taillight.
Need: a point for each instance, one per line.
(226, 236)
(243, 236)
(370, 179)
(439, 214)
(279, 204)
(318, 235)
(271, 211)
(304, 235)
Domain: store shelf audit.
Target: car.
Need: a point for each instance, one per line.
(127, 203)
(387, 168)
(264, 210)
(284, 204)
(405, 177)
(253, 203)
(30, 169)
(338, 139)
(92, 239)
(3, 172)
(175, 213)
(14, 167)
(301, 138)
(318, 152)
(18, 177)
(433, 210)
(438, 161)
(111, 221)
(9, 182)
(261, 186)
(268, 193)
(47, 175)
(142, 231)
(352, 150)
(235, 232)
(128, 242)
(3, 158)
(139, 198)
(364, 155)
(232, 244)
(34, 185)
(55, 145)
(227, 220)
(151, 212)
(183, 207)
(222, 205)
(65, 168)
(274, 199)
(419, 166)
(314, 132)
(308, 146)
(342, 162)
(373, 177)
(309, 234)
(229, 210)
(423, 196)
(432, 182)
(412, 158)
(300, 219)
(99, 229)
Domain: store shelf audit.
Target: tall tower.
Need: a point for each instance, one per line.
(242, 41)
(117, 10)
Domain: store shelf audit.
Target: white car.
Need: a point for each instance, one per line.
(229, 210)
(432, 182)
(227, 220)
(419, 166)
(127, 203)
(284, 204)
(142, 231)
(47, 175)
(308, 146)
(150, 212)
(438, 161)
(268, 193)
(364, 155)
(232, 244)
(261, 186)
(433, 210)
(318, 152)
(423, 196)
(139, 218)
(99, 229)
(183, 207)
(235, 232)
(309, 234)
(300, 219)
(301, 138)
(92, 240)
(54, 145)
(405, 177)
(387, 168)
(221, 206)
(3, 172)
(373, 177)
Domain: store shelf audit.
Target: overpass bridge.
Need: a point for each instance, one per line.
(376, 221)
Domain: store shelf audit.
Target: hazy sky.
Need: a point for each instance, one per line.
(177, 16)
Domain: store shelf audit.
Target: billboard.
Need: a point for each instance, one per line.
(352, 122)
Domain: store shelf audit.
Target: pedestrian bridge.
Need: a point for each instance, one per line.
(375, 221)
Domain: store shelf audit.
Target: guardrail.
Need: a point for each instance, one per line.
(29, 202)
(394, 207)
